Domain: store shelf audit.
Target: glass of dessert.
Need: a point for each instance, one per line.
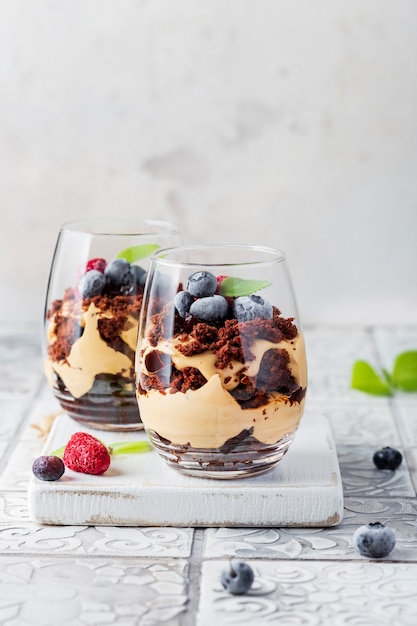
(92, 307)
(221, 362)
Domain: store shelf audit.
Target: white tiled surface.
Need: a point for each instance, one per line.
(144, 576)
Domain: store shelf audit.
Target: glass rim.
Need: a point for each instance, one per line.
(275, 255)
(119, 226)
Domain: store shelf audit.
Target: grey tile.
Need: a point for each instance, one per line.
(25, 537)
(361, 478)
(319, 543)
(313, 593)
(74, 591)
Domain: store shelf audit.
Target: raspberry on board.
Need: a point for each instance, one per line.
(86, 454)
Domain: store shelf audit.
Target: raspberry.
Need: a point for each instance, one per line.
(86, 454)
(219, 280)
(96, 264)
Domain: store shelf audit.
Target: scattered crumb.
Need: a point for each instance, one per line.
(44, 424)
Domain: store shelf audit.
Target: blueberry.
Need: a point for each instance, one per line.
(91, 284)
(210, 309)
(139, 275)
(387, 458)
(119, 276)
(247, 308)
(48, 467)
(183, 300)
(374, 540)
(237, 577)
(202, 284)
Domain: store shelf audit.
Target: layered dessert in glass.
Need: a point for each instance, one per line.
(91, 318)
(222, 373)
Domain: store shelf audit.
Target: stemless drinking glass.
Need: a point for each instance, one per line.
(221, 363)
(91, 317)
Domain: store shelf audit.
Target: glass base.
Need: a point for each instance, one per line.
(248, 458)
(102, 412)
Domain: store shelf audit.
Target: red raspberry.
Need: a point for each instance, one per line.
(96, 264)
(86, 454)
(219, 279)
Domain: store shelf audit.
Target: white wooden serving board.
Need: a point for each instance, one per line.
(304, 489)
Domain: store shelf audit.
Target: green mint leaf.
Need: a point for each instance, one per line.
(59, 452)
(365, 378)
(404, 374)
(135, 253)
(235, 287)
(129, 447)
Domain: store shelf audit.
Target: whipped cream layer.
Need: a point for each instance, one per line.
(209, 416)
(90, 355)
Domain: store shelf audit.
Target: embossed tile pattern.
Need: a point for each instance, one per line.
(96, 591)
(144, 576)
(313, 594)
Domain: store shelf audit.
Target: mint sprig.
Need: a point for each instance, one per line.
(365, 378)
(403, 376)
(129, 447)
(235, 287)
(136, 253)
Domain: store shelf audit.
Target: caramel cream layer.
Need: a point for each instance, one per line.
(90, 355)
(207, 417)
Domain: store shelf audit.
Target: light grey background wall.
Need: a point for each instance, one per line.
(291, 123)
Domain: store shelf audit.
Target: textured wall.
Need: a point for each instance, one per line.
(286, 122)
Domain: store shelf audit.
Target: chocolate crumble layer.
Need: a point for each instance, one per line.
(228, 341)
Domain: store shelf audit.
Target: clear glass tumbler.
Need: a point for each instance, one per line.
(221, 362)
(92, 307)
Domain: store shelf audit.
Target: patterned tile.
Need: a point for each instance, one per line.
(333, 350)
(363, 424)
(361, 478)
(318, 543)
(407, 417)
(19, 467)
(313, 594)
(139, 576)
(25, 537)
(18, 347)
(13, 506)
(390, 341)
(12, 414)
(72, 591)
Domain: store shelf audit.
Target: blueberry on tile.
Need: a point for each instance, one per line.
(387, 458)
(374, 540)
(237, 577)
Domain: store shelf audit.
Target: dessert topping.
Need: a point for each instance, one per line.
(182, 301)
(202, 284)
(91, 284)
(96, 264)
(247, 308)
(215, 298)
(210, 309)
